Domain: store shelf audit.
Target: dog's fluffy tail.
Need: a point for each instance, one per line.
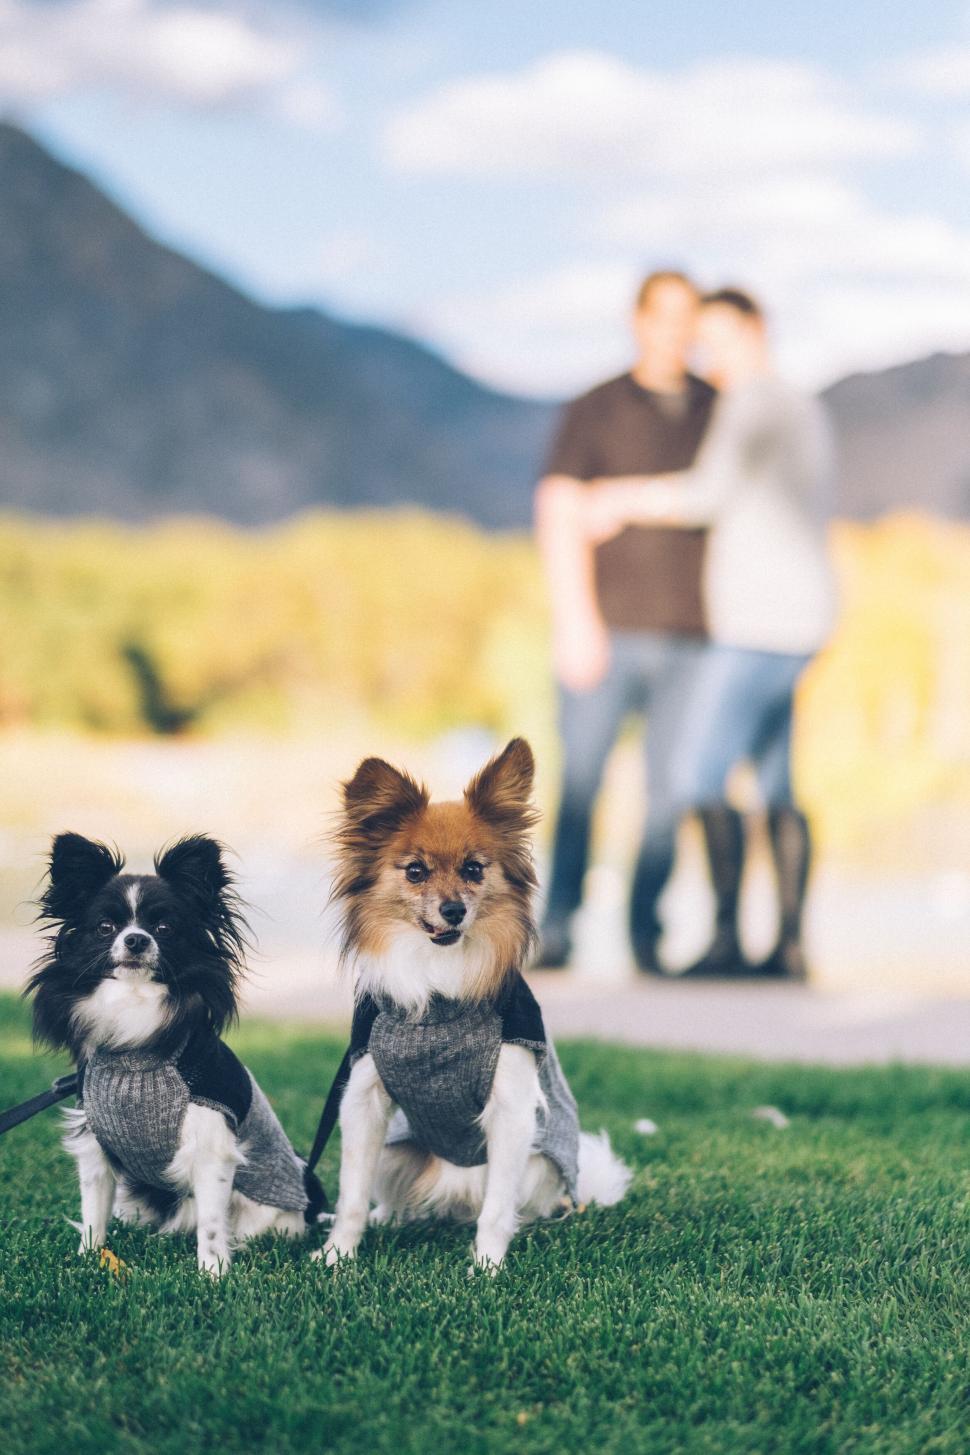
(603, 1178)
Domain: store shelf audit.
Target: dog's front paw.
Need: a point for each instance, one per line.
(485, 1262)
(491, 1245)
(91, 1241)
(341, 1246)
(214, 1265)
(484, 1269)
(336, 1253)
(213, 1257)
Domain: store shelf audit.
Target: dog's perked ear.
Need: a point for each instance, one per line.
(501, 792)
(379, 798)
(194, 866)
(195, 870)
(78, 869)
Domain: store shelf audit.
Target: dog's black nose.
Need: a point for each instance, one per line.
(137, 943)
(452, 910)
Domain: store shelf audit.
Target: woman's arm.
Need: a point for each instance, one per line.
(683, 498)
(674, 499)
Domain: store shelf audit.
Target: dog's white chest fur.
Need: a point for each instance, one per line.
(123, 1012)
(412, 969)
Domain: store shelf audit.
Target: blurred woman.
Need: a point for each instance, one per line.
(762, 481)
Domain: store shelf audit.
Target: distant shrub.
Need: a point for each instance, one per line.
(423, 623)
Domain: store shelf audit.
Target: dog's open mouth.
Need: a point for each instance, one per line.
(441, 937)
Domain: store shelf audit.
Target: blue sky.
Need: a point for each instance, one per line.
(494, 178)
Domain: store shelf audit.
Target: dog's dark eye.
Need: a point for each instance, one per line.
(415, 873)
(163, 928)
(472, 870)
(106, 927)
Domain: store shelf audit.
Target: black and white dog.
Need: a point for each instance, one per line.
(139, 981)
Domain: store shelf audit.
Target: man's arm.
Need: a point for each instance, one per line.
(580, 639)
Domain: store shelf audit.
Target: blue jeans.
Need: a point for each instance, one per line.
(739, 708)
(649, 672)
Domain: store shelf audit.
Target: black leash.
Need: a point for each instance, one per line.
(318, 1201)
(62, 1087)
(331, 1111)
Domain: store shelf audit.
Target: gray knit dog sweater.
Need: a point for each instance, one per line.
(135, 1103)
(439, 1070)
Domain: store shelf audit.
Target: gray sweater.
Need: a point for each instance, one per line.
(439, 1070)
(135, 1103)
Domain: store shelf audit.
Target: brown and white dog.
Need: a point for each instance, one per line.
(436, 901)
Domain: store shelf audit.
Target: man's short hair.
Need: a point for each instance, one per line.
(662, 275)
(735, 298)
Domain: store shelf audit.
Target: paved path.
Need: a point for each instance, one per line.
(769, 1022)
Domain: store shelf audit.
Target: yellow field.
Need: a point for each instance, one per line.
(408, 626)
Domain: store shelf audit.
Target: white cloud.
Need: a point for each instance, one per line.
(548, 334)
(942, 73)
(583, 112)
(660, 215)
(788, 230)
(570, 296)
(188, 54)
(844, 328)
(848, 285)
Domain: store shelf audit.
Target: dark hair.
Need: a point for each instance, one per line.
(661, 275)
(734, 298)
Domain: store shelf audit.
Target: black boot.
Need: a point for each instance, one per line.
(791, 848)
(653, 868)
(724, 836)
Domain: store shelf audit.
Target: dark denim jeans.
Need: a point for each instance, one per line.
(739, 708)
(649, 672)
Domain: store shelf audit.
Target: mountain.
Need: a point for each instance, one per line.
(135, 383)
(904, 437)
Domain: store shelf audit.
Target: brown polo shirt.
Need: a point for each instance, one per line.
(648, 578)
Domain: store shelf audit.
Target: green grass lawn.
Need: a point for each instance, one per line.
(759, 1290)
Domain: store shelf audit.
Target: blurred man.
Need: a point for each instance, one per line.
(628, 620)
